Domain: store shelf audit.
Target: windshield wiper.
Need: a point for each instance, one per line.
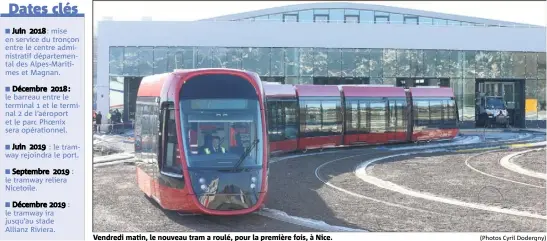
(245, 154)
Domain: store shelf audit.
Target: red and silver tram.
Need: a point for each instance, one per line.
(182, 116)
(203, 140)
(305, 117)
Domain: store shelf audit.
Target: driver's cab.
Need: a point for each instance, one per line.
(230, 136)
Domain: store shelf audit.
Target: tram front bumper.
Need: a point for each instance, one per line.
(227, 202)
(227, 191)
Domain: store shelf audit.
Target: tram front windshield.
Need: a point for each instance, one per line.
(221, 133)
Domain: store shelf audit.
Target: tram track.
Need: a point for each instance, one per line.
(467, 163)
(509, 165)
(503, 210)
(362, 174)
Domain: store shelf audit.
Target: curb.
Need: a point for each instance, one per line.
(501, 147)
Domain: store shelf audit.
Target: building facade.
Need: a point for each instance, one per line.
(336, 43)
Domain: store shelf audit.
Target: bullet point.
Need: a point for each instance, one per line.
(7, 171)
(7, 89)
(7, 204)
(8, 30)
(7, 147)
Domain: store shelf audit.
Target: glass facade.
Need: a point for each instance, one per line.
(337, 15)
(379, 66)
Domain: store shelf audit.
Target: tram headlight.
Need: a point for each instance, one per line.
(202, 180)
(203, 187)
(253, 179)
(253, 186)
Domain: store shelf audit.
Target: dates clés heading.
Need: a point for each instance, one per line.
(59, 9)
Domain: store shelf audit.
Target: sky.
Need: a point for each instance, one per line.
(526, 12)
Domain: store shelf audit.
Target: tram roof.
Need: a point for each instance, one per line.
(279, 90)
(373, 91)
(317, 90)
(152, 85)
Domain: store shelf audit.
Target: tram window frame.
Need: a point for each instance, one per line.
(272, 120)
(446, 110)
(452, 118)
(365, 115)
(391, 115)
(323, 129)
(419, 119)
(169, 136)
(436, 113)
(399, 109)
(146, 126)
(329, 117)
(352, 116)
(375, 113)
(292, 106)
(279, 121)
(402, 111)
(364, 108)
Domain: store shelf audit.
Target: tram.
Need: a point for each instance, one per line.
(308, 117)
(202, 138)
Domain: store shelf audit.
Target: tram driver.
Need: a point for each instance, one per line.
(207, 144)
(215, 148)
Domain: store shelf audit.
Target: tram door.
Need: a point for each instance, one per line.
(396, 124)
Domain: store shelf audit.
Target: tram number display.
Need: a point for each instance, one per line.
(218, 104)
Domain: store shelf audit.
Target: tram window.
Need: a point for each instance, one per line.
(364, 117)
(435, 110)
(451, 111)
(170, 159)
(377, 117)
(274, 131)
(447, 115)
(330, 117)
(282, 121)
(352, 116)
(392, 116)
(311, 121)
(397, 115)
(146, 125)
(291, 125)
(401, 115)
(421, 113)
(448, 112)
(320, 118)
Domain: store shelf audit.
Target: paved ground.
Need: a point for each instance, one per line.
(297, 187)
(122, 207)
(534, 161)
